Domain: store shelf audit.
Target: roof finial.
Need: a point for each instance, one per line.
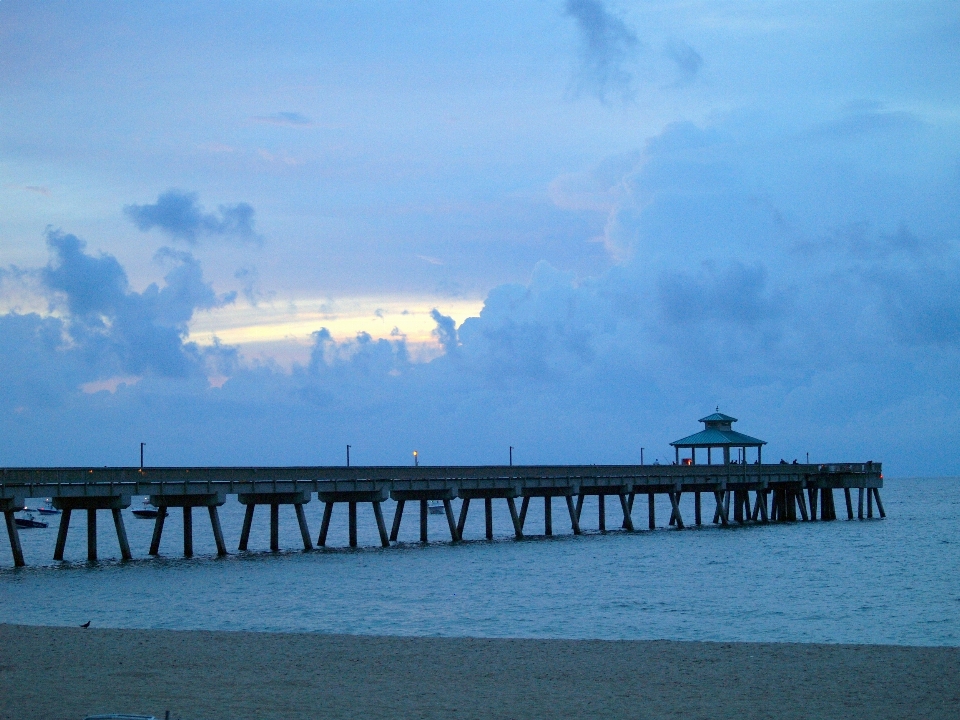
(718, 408)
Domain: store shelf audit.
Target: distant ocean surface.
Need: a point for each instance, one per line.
(892, 581)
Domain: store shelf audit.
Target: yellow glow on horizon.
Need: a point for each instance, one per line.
(293, 323)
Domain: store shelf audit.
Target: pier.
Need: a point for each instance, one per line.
(737, 494)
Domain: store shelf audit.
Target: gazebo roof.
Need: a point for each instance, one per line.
(718, 433)
(717, 417)
(712, 437)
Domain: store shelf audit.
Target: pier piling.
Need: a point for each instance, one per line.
(9, 507)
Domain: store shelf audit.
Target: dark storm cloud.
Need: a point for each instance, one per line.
(607, 46)
(179, 214)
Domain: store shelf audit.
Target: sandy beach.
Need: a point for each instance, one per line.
(57, 672)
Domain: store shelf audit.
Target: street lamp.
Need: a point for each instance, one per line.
(348, 456)
(416, 458)
(141, 455)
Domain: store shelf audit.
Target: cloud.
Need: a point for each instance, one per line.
(122, 332)
(764, 273)
(287, 119)
(607, 46)
(687, 60)
(179, 214)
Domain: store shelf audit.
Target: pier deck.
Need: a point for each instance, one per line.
(781, 492)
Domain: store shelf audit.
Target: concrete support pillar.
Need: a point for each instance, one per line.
(121, 534)
(15, 547)
(424, 510)
(305, 531)
(274, 527)
(602, 512)
(524, 504)
(397, 516)
(547, 515)
(464, 507)
(91, 535)
(517, 525)
(157, 530)
(488, 517)
(574, 518)
(451, 521)
(627, 517)
(696, 500)
(245, 530)
(217, 530)
(325, 523)
(353, 523)
(62, 534)
(651, 511)
(187, 531)
(381, 527)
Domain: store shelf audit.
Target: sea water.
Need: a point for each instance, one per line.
(895, 580)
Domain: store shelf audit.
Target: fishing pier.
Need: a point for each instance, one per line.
(736, 492)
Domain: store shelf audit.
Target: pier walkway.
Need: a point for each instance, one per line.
(736, 493)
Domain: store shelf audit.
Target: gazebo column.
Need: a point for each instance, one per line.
(693, 456)
(726, 455)
(759, 454)
(709, 456)
(677, 450)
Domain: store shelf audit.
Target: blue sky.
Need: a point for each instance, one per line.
(256, 232)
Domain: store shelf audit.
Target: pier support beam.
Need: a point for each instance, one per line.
(209, 500)
(91, 504)
(675, 508)
(876, 496)
(121, 534)
(574, 520)
(846, 495)
(217, 530)
(508, 493)
(651, 511)
(9, 506)
(298, 499)
(424, 496)
(627, 517)
(352, 497)
(424, 519)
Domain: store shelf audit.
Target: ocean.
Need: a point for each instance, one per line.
(891, 581)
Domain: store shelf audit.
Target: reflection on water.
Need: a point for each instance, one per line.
(890, 581)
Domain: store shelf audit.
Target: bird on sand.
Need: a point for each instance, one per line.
(86, 624)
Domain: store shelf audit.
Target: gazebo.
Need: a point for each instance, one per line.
(717, 432)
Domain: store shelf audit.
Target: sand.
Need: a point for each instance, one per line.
(56, 672)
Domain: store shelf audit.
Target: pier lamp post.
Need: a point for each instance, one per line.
(141, 455)
(348, 456)
(511, 456)
(416, 459)
(641, 456)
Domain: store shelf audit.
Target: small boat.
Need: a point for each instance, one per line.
(26, 520)
(47, 508)
(148, 511)
(435, 508)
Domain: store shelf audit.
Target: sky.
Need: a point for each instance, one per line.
(254, 233)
